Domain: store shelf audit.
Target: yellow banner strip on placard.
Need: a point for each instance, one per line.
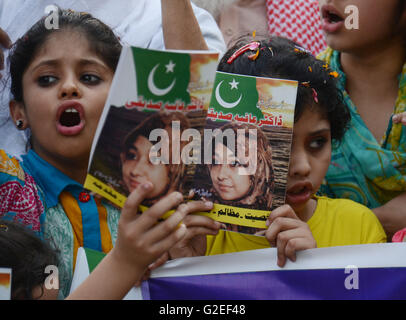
(234, 215)
(222, 213)
(239, 216)
(94, 184)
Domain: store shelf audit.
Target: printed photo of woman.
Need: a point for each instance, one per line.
(232, 183)
(137, 166)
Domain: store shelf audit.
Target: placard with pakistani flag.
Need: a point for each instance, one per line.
(154, 98)
(251, 121)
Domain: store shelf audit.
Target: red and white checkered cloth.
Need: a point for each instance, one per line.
(297, 20)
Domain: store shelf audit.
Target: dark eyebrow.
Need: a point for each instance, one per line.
(82, 63)
(51, 63)
(86, 62)
(321, 131)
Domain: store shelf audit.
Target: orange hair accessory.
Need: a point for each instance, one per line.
(334, 74)
(253, 56)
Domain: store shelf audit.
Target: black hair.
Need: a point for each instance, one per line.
(27, 255)
(100, 37)
(282, 58)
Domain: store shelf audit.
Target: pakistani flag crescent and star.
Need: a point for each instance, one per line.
(162, 76)
(235, 94)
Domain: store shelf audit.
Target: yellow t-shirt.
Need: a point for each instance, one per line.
(335, 222)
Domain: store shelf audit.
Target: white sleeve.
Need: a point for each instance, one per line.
(13, 141)
(208, 25)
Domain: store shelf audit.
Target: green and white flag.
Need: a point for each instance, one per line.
(162, 76)
(235, 94)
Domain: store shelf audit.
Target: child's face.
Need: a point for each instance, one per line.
(138, 169)
(310, 158)
(379, 24)
(64, 91)
(229, 184)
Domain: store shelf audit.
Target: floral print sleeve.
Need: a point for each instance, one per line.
(19, 197)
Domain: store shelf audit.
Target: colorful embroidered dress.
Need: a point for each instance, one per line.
(363, 169)
(57, 208)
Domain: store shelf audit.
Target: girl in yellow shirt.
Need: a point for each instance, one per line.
(306, 220)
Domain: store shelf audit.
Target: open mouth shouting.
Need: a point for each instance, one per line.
(70, 118)
(332, 20)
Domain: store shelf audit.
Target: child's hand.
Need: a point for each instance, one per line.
(288, 233)
(399, 118)
(141, 239)
(194, 242)
(198, 227)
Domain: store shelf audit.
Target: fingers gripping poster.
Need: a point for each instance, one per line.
(172, 120)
